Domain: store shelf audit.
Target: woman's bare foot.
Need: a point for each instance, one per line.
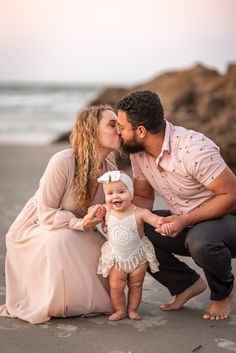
(133, 315)
(117, 315)
(220, 309)
(180, 299)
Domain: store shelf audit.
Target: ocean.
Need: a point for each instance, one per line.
(39, 114)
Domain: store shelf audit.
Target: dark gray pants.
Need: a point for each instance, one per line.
(211, 244)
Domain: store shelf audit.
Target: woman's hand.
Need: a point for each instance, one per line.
(94, 216)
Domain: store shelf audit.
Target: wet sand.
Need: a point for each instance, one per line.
(179, 332)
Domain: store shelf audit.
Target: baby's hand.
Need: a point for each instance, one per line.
(94, 216)
(101, 211)
(168, 228)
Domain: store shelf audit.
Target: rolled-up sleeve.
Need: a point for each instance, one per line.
(207, 163)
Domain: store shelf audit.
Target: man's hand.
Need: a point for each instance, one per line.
(178, 226)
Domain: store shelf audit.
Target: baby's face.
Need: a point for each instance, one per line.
(117, 195)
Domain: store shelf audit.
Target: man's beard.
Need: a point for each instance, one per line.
(132, 147)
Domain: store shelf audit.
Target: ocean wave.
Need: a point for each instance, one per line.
(39, 114)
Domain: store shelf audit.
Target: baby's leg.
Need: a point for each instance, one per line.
(117, 281)
(135, 282)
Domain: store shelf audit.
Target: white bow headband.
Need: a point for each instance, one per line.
(116, 175)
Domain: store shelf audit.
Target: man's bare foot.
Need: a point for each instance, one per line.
(133, 315)
(117, 315)
(220, 309)
(180, 299)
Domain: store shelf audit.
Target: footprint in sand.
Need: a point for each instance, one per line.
(145, 324)
(65, 330)
(13, 325)
(225, 344)
(119, 352)
(149, 322)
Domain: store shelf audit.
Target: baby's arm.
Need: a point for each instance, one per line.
(148, 217)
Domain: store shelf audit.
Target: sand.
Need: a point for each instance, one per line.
(178, 332)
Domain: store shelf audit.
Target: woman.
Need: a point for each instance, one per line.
(53, 246)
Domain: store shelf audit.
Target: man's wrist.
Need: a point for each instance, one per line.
(186, 220)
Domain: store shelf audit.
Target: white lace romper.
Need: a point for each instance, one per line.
(124, 248)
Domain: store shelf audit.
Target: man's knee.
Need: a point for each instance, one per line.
(205, 242)
(197, 244)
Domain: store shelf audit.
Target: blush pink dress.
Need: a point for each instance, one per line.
(51, 263)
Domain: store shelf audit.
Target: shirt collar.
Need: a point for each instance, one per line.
(166, 142)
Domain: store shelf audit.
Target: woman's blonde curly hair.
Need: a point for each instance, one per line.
(84, 142)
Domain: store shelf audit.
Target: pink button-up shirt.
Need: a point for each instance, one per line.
(188, 162)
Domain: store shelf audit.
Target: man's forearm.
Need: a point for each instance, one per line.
(216, 207)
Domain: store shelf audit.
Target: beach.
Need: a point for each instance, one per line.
(179, 332)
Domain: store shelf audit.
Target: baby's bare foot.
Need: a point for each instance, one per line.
(196, 288)
(117, 315)
(133, 315)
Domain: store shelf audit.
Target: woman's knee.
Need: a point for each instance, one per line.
(60, 237)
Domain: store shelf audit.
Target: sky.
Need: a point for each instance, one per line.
(113, 41)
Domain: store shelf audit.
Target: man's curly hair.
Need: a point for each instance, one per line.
(143, 108)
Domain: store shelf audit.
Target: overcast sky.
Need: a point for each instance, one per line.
(113, 41)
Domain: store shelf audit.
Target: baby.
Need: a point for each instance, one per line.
(127, 252)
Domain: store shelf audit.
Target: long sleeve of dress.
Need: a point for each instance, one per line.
(55, 182)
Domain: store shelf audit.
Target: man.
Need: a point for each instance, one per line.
(187, 170)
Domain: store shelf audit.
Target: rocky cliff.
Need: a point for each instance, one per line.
(198, 98)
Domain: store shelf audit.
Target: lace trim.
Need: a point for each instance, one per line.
(146, 253)
(132, 263)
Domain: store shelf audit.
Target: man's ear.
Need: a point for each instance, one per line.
(141, 131)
